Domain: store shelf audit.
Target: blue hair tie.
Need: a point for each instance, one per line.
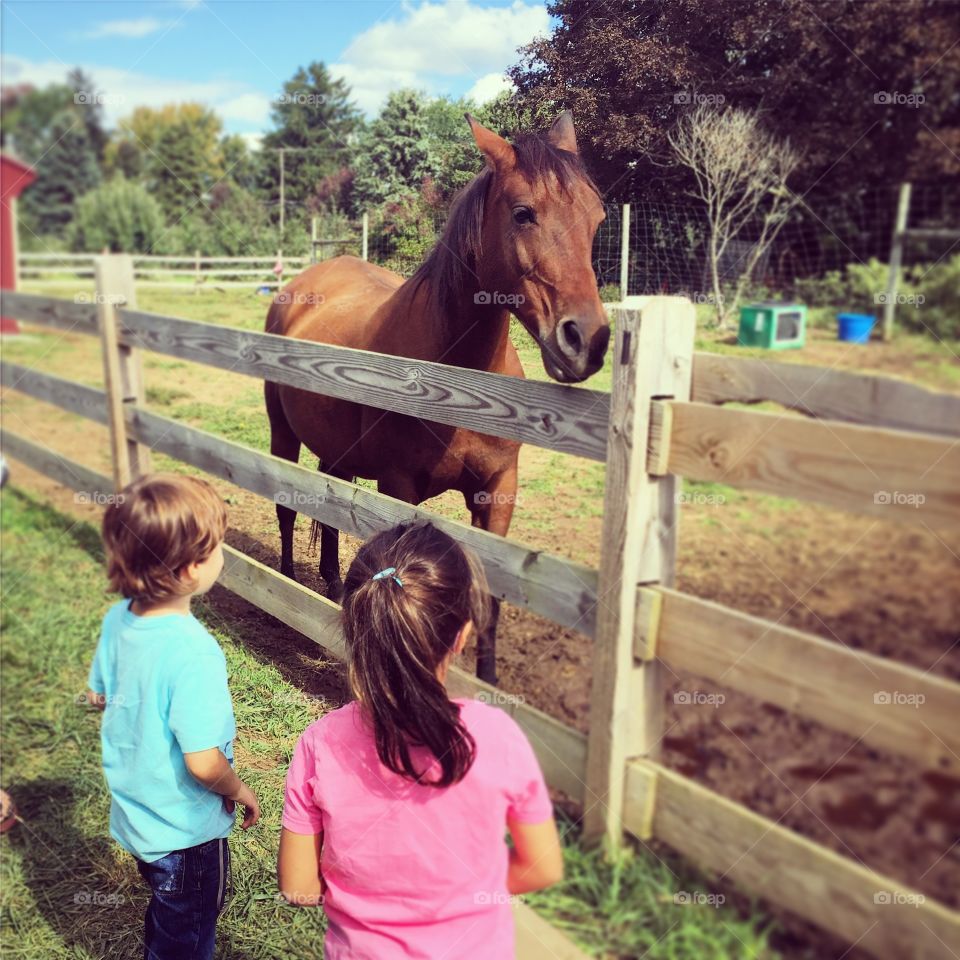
(384, 572)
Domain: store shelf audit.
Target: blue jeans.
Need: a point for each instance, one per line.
(189, 888)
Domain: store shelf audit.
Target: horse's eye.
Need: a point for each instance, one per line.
(523, 215)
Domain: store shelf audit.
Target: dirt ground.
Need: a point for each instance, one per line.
(870, 584)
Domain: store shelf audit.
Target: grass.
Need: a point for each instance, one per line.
(68, 891)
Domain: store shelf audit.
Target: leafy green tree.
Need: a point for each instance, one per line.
(118, 215)
(57, 136)
(176, 150)
(818, 72)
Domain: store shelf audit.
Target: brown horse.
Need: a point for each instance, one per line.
(519, 241)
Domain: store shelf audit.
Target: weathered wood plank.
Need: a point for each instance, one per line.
(890, 705)
(883, 473)
(652, 359)
(557, 588)
(536, 939)
(86, 401)
(876, 912)
(826, 394)
(560, 749)
(73, 475)
(76, 316)
(550, 415)
(122, 375)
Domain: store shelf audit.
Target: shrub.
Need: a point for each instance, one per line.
(119, 215)
(939, 313)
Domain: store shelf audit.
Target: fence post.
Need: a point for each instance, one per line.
(896, 258)
(314, 237)
(652, 360)
(196, 271)
(122, 374)
(624, 252)
(365, 236)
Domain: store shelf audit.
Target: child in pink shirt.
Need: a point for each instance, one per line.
(397, 804)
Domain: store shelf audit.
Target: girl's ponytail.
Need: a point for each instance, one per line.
(399, 627)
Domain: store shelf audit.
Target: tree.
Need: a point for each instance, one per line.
(317, 123)
(175, 150)
(54, 134)
(629, 68)
(741, 173)
(119, 215)
(394, 156)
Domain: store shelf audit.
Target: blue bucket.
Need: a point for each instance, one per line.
(855, 327)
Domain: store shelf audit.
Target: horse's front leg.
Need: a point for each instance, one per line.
(491, 508)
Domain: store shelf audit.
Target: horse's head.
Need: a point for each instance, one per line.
(540, 214)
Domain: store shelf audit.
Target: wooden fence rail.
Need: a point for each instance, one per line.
(653, 427)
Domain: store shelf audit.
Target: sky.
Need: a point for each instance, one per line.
(236, 56)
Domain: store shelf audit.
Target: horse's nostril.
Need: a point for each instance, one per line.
(570, 338)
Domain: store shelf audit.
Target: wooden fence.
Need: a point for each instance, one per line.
(158, 271)
(870, 440)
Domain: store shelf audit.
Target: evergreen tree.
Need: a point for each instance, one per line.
(317, 124)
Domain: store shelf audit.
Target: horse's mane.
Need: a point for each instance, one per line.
(453, 258)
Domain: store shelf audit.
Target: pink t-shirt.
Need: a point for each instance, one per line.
(414, 871)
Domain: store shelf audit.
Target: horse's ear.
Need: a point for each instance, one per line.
(497, 152)
(561, 133)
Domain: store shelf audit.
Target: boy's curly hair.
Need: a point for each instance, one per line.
(155, 528)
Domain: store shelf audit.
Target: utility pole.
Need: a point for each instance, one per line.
(282, 178)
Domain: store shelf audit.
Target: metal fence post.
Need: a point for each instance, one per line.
(624, 252)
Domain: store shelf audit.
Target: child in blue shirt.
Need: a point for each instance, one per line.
(168, 727)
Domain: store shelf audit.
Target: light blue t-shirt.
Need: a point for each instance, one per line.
(165, 680)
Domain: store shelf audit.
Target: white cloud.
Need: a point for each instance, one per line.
(247, 108)
(488, 87)
(121, 91)
(434, 42)
(142, 27)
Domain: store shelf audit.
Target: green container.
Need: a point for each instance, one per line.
(773, 325)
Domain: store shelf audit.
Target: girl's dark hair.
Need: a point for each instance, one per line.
(398, 635)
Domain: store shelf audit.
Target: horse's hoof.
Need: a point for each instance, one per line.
(334, 590)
